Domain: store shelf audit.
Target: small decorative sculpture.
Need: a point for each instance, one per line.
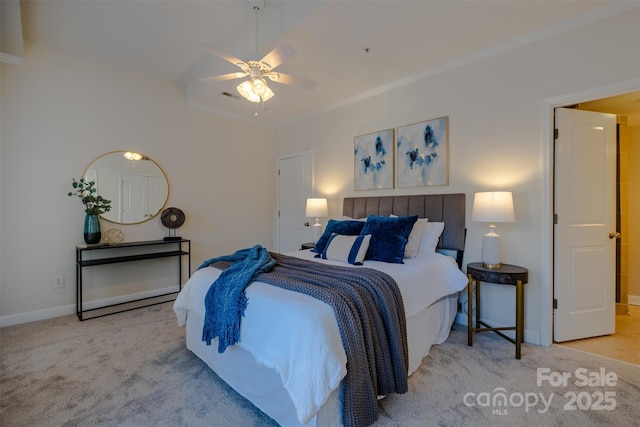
(172, 218)
(113, 236)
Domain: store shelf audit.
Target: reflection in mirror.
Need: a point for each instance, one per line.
(136, 185)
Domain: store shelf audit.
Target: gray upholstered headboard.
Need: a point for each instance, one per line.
(449, 208)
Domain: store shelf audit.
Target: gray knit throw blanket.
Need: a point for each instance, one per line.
(370, 314)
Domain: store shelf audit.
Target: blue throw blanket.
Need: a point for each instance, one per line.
(226, 301)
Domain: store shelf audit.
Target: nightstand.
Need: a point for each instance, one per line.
(307, 246)
(507, 274)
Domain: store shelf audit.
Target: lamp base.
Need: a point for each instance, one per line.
(491, 254)
(317, 231)
(485, 265)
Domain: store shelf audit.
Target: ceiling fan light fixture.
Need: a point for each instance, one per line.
(248, 90)
(255, 88)
(131, 155)
(268, 94)
(259, 87)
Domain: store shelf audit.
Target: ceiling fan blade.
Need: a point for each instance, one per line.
(232, 59)
(291, 80)
(230, 76)
(278, 55)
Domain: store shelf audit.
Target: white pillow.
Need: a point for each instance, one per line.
(430, 237)
(351, 249)
(348, 218)
(415, 237)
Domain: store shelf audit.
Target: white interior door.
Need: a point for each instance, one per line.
(158, 191)
(134, 198)
(295, 185)
(585, 203)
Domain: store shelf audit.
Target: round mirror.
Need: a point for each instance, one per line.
(136, 185)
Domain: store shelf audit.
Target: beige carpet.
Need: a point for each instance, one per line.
(132, 369)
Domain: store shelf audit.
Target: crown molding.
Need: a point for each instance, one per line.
(10, 59)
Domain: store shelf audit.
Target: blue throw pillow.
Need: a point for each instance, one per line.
(346, 228)
(389, 236)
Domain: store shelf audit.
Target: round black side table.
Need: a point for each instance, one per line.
(506, 274)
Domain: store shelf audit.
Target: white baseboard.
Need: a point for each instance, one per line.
(49, 313)
(633, 299)
(32, 316)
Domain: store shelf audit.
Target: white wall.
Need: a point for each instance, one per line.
(59, 113)
(497, 139)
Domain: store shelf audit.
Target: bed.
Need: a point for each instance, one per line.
(296, 377)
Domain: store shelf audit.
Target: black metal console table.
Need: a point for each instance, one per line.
(170, 248)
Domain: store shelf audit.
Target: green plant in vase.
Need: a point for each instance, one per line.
(94, 205)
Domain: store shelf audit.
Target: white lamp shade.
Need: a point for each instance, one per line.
(493, 206)
(317, 208)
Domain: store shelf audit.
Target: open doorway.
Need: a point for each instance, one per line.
(624, 344)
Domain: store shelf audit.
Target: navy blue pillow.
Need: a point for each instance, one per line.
(389, 236)
(346, 228)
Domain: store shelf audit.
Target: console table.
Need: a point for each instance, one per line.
(131, 251)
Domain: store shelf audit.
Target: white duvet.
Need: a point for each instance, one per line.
(309, 356)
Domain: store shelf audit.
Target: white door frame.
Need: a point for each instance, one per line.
(547, 241)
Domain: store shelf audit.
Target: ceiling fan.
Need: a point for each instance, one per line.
(255, 89)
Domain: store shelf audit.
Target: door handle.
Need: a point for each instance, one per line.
(613, 235)
(306, 224)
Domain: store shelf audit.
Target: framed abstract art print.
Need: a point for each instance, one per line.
(373, 161)
(422, 151)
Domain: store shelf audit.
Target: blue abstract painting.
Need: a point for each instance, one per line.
(373, 161)
(422, 154)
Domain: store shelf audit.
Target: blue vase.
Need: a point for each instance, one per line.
(92, 233)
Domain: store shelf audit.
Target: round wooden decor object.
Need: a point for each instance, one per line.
(172, 218)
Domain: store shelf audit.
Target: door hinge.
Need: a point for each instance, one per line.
(278, 214)
(555, 304)
(555, 218)
(555, 134)
(278, 172)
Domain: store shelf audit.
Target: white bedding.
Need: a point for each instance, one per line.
(309, 358)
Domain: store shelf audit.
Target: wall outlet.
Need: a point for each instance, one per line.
(58, 282)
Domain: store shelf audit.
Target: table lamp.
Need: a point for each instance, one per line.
(316, 208)
(492, 207)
